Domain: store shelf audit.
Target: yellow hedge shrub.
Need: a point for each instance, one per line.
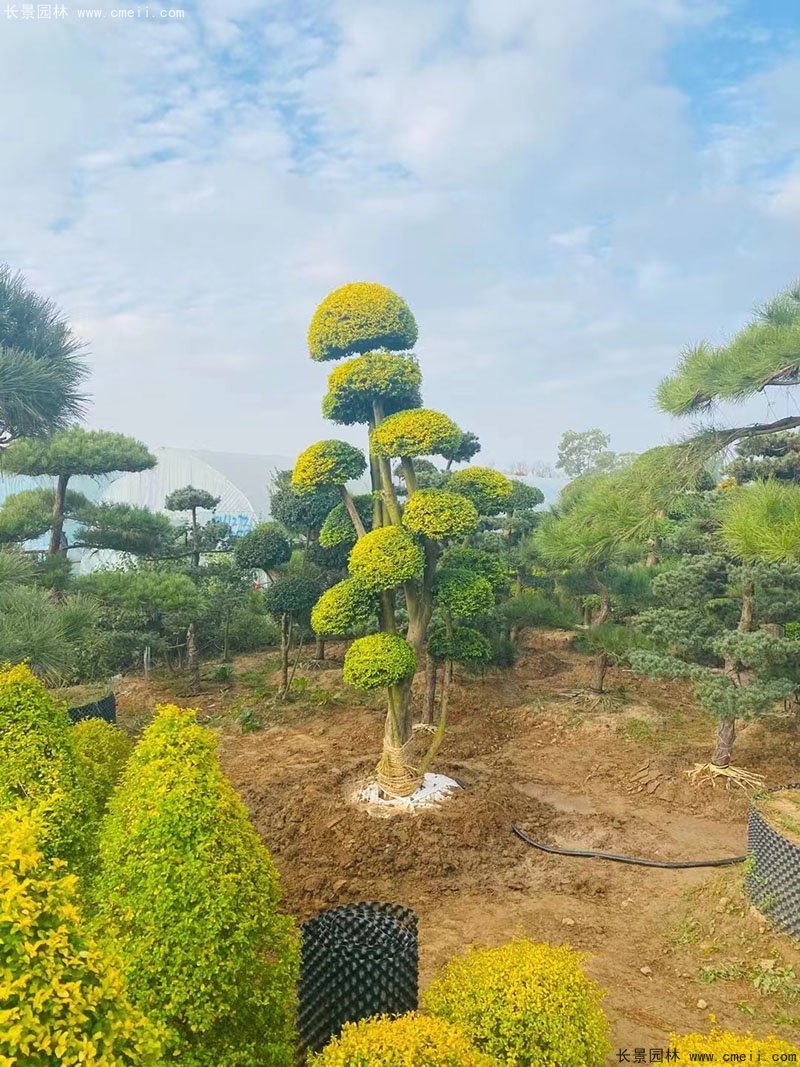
(489, 490)
(189, 896)
(720, 1042)
(409, 1041)
(341, 608)
(418, 432)
(102, 751)
(38, 762)
(61, 1000)
(378, 661)
(359, 317)
(528, 1005)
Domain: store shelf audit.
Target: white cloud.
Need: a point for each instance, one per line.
(525, 174)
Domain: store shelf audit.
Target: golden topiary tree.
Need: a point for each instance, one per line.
(378, 386)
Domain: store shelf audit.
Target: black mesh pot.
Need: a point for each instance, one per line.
(358, 960)
(104, 708)
(774, 881)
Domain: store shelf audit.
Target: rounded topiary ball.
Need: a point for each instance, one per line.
(489, 490)
(378, 661)
(438, 514)
(327, 463)
(263, 548)
(528, 1005)
(463, 593)
(418, 432)
(464, 645)
(291, 594)
(385, 558)
(393, 379)
(341, 608)
(359, 317)
(338, 529)
(413, 1040)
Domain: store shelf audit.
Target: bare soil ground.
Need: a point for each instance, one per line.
(673, 948)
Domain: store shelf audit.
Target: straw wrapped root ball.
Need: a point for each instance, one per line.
(341, 608)
(385, 558)
(418, 432)
(378, 661)
(359, 317)
(489, 490)
(409, 1041)
(327, 463)
(528, 1005)
(438, 514)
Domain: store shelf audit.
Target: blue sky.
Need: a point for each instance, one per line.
(566, 195)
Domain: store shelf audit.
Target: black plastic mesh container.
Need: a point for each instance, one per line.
(774, 881)
(104, 708)
(357, 960)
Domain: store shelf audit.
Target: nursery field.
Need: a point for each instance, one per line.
(675, 949)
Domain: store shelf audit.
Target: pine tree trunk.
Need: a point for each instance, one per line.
(57, 529)
(284, 654)
(193, 659)
(747, 615)
(600, 668)
(429, 703)
(723, 746)
(195, 541)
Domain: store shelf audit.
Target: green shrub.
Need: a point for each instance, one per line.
(528, 1005)
(438, 514)
(338, 529)
(264, 548)
(341, 608)
(463, 593)
(489, 490)
(378, 660)
(62, 1000)
(408, 1041)
(189, 896)
(223, 673)
(38, 764)
(102, 751)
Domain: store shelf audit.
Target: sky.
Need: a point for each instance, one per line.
(565, 193)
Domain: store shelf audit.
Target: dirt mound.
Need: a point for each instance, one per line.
(332, 853)
(543, 664)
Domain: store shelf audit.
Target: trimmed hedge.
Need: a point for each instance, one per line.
(189, 896)
(528, 1005)
(408, 1041)
(102, 751)
(377, 661)
(360, 317)
(62, 1000)
(38, 761)
(327, 463)
(385, 558)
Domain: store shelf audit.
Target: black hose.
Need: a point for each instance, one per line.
(592, 854)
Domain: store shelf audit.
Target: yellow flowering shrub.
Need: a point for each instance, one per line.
(528, 1005)
(409, 1041)
(359, 317)
(189, 896)
(385, 558)
(38, 762)
(62, 1001)
(393, 379)
(439, 514)
(342, 607)
(489, 490)
(418, 432)
(378, 661)
(102, 751)
(719, 1042)
(327, 463)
